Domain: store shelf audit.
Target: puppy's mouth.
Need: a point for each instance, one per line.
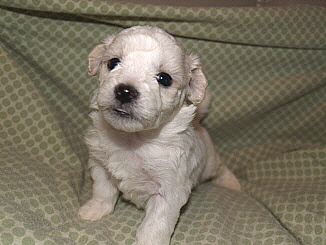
(122, 113)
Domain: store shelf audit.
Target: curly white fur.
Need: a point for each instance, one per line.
(152, 150)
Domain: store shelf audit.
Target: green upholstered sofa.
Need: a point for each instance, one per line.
(266, 68)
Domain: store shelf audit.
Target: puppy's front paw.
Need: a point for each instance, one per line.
(140, 243)
(94, 209)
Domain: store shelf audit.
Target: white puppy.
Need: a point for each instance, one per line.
(146, 141)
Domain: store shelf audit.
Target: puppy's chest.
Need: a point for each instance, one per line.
(137, 177)
(125, 164)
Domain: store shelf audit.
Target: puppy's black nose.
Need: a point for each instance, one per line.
(125, 93)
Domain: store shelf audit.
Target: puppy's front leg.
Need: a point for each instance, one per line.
(105, 195)
(162, 214)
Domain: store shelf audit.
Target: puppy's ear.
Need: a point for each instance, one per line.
(97, 55)
(198, 81)
(95, 59)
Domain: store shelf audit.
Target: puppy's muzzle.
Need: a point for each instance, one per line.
(125, 93)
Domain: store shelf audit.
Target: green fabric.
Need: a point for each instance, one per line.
(267, 75)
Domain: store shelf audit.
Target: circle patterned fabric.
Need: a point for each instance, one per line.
(266, 69)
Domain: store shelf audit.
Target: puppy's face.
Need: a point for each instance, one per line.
(145, 77)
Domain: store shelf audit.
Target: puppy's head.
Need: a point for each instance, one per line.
(144, 78)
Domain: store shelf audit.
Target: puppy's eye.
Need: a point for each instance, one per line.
(164, 79)
(113, 63)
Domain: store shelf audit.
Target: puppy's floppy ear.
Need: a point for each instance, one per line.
(97, 55)
(198, 81)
